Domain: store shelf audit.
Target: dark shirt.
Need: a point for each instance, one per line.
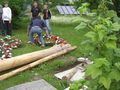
(47, 14)
(37, 22)
(35, 11)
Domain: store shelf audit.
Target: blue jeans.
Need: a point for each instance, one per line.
(46, 21)
(37, 30)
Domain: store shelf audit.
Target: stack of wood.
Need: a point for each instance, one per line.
(30, 60)
(76, 73)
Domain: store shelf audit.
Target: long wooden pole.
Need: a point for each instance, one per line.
(30, 57)
(21, 69)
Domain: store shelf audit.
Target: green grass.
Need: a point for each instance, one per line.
(48, 69)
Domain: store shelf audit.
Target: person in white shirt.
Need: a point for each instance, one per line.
(7, 18)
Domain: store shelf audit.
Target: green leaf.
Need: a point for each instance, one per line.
(85, 42)
(100, 62)
(91, 35)
(83, 8)
(112, 37)
(85, 4)
(90, 69)
(101, 34)
(96, 72)
(111, 44)
(80, 19)
(82, 25)
(115, 74)
(106, 81)
(117, 65)
(117, 52)
(116, 27)
(111, 13)
(93, 71)
(76, 85)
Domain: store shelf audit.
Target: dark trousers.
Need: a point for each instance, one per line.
(1, 26)
(7, 28)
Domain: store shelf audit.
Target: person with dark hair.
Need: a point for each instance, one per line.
(7, 18)
(47, 17)
(35, 10)
(37, 26)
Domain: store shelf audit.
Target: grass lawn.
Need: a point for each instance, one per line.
(48, 69)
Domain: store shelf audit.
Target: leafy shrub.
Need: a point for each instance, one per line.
(17, 8)
(102, 47)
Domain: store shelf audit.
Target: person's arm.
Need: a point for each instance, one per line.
(43, 14)
(31, 11)
(49, 14)
(46, 31)
(1, 11)
(40, 13)
(3, 16)
(10, 15)
(29, 28)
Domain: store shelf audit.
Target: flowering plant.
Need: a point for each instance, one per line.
(8, 43)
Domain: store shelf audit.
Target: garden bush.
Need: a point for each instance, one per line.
(110, 4)
(17, 8)
(101, 45)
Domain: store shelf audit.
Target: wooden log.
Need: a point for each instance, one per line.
(70, 74)
(31, 57)
(33, 64)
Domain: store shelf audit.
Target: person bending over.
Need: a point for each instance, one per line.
(37, 26)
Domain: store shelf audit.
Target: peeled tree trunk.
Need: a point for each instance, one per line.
(33, 64)
(30, 57)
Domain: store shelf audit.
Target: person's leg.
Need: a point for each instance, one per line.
(4, 30)
(41, 39)
(39, 32)
(31, 33)
(9, 29)
(48, 25)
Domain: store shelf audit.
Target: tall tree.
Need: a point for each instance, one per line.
(117, 6)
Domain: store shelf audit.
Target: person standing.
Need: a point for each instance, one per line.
(47, 17)
(7, 18)
(35, 10)
(1, 12)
